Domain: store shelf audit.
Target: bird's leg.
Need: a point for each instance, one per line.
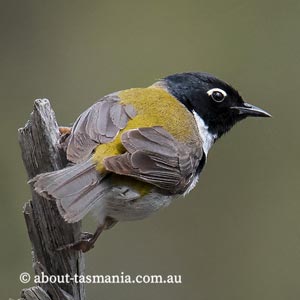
(87, 240)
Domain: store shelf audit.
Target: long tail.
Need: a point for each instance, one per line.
(76, 189)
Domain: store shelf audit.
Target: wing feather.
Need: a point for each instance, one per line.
(99, 124)
(156, 157)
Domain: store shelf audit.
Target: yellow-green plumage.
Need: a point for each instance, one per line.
(151, 105)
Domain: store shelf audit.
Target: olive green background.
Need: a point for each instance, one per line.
(237, 235)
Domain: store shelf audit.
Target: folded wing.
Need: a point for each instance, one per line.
(99, 124)
(154, 156)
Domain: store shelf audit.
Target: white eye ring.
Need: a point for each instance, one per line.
(216, 90)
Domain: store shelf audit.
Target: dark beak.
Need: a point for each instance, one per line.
(251, 110)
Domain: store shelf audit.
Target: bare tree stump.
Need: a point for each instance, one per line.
(47, 230)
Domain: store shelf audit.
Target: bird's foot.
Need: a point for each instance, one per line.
(85, 243)
(64, 135)
(87, 240)
(65, 130)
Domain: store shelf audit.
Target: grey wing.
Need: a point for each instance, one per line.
(156, 157)
(99, 124)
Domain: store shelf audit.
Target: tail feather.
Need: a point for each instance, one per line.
(76, 189)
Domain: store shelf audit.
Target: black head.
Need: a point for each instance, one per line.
(217, 103)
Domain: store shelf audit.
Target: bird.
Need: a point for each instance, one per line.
(134, 151)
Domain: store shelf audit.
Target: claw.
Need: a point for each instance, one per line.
(84, 244)
(87, 240)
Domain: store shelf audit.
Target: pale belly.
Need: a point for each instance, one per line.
(127, 205)
(124, 203)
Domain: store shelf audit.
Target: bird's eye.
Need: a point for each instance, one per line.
(217, 95)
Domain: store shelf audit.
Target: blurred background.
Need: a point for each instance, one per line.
(237, 235)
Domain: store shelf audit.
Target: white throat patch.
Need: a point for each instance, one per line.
(206, 137)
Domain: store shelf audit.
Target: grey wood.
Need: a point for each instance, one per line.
(39, 142)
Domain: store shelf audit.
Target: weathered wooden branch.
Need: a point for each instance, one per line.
(47, 230)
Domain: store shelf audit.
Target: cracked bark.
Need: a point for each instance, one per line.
(46, 229)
